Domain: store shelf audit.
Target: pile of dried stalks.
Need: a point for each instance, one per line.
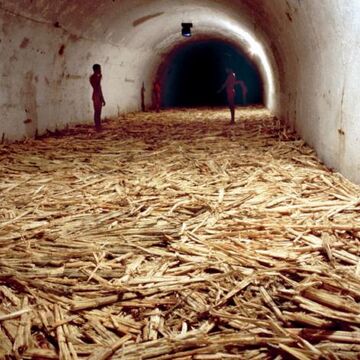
(177, 236)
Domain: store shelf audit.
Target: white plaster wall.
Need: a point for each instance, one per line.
(42, 89)
(319, 92)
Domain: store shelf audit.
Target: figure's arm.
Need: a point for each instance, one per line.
(92, 83)
(102, 98)
(101, 93)
(222, 87)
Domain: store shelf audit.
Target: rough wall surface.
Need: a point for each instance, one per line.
(319, 96)
(47, 49)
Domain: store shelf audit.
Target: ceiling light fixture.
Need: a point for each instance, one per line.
(186, 29)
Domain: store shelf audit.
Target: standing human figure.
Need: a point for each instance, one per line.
(229, 84)
(157, 95)
(97, 96)
(143, 97)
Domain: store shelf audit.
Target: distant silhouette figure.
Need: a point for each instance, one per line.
(143, 97)
(244, 91)
(229, 84)
(157, 95)
(97, 96)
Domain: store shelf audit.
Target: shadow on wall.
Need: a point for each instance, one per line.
(192, 75)
(28, 99)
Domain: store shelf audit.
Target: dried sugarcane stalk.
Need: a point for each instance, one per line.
(294, 352)
(90, 304)
(65, 353)
(63, 322)
(14, 314)
(45, 354)
(243, 284)
(22, 340)
(104, 354)
(332, 300)
(270, 302)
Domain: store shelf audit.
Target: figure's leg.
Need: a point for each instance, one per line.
(232, 112)
(231, 100)
(157, 104)
(142, 103)
(97, 116)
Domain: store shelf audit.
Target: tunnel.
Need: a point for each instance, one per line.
(47, 52)
(174, 233)
(192, 75)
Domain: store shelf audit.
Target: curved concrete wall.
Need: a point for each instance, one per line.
(306, 51)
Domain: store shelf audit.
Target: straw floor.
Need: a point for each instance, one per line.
(177, 236)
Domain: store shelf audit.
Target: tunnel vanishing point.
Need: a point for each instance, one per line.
(306, 52)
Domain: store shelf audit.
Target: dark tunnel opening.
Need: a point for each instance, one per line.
(193, 74)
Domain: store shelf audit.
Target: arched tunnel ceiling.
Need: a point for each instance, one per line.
(120, 21)
(101, 19)
(129, 22)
